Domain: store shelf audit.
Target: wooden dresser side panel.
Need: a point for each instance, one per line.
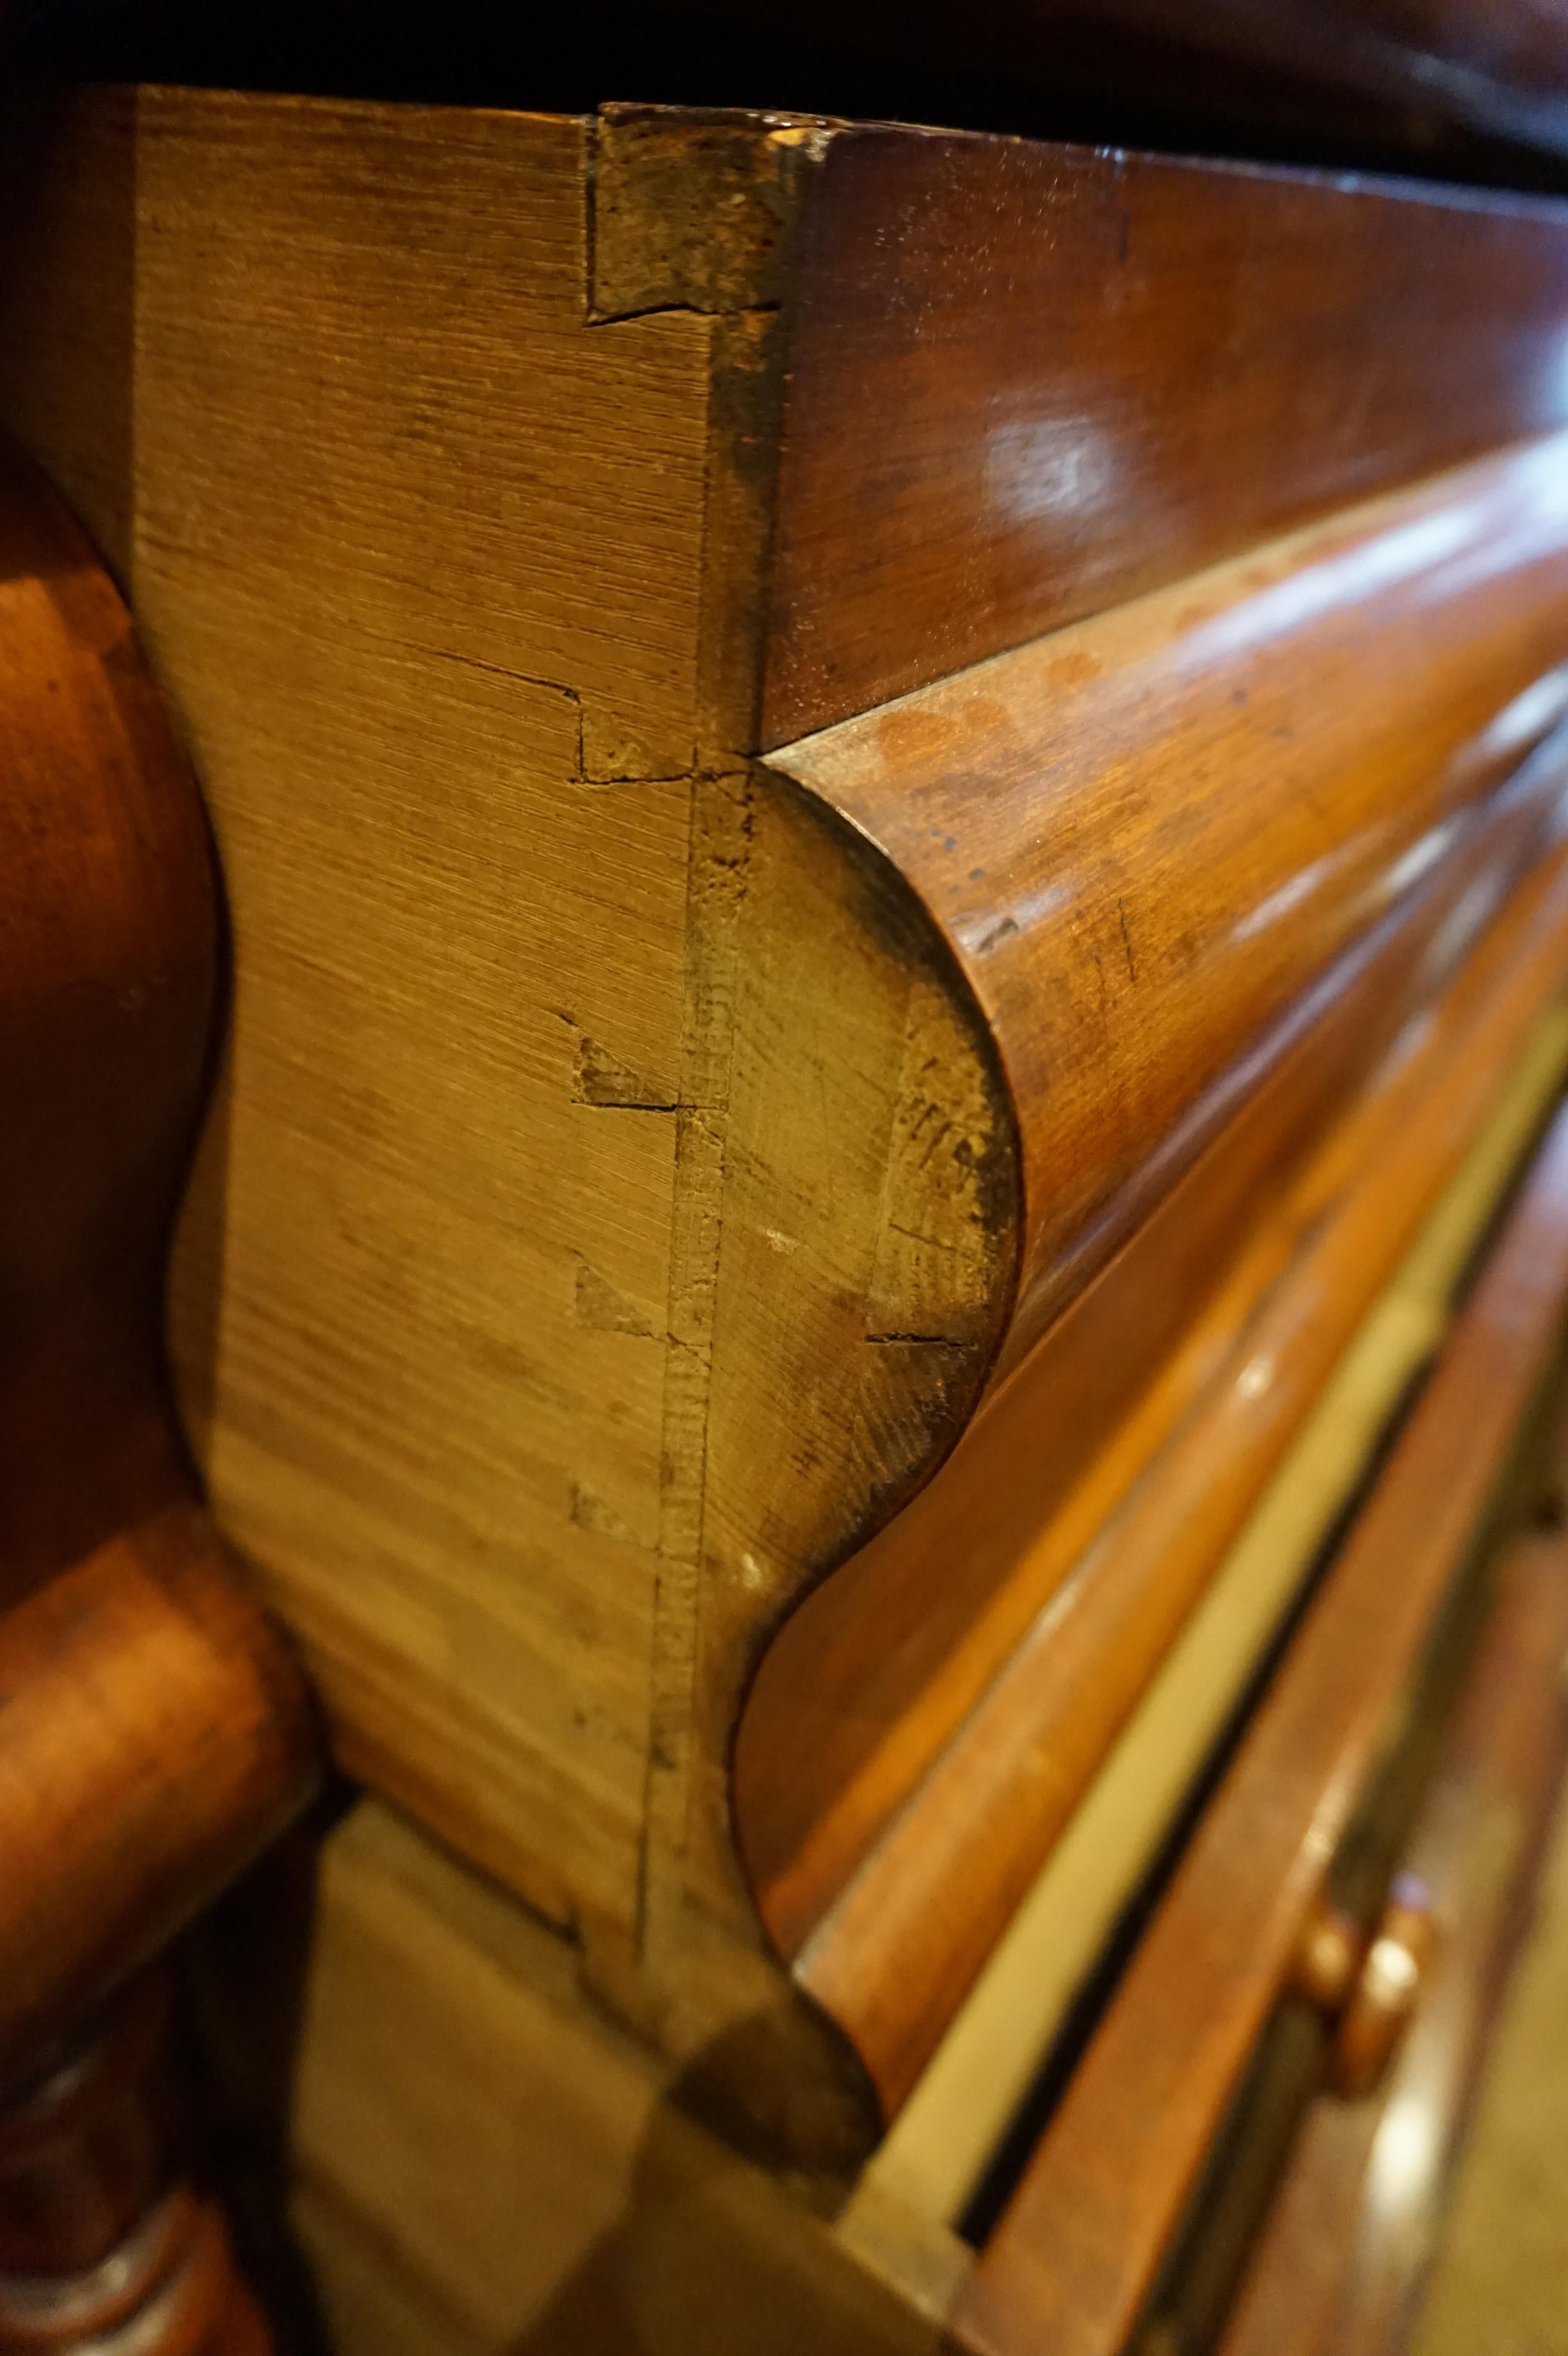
(414, 547)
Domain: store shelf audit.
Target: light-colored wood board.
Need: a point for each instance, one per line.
(415, 547)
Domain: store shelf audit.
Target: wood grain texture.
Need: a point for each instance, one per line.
(1090, 1037)
(157, 1729)
(371, 453)
(1028, 382)
(939, 2147)
(1108, 1602)
(1074, 2255)
(1353, 2229)
(613, 1203)
(546, 1021)
(486, 2165)
(1143, 834)
(864, 1713)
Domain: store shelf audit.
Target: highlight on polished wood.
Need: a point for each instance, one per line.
(1061, 2267)
(157, 1732)
(893, 819)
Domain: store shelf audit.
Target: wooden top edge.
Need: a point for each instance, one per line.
(840, 130)
(1026, 382)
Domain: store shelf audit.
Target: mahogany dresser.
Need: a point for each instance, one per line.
(878, 1256)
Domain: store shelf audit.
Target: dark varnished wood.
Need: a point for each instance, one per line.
(1436, 85)
(156, 1736)
(157, 1729)
(106, 1008)
(1029, 382)
(1145, 834)
(103, 2248)
(879, 1668)
(942, 1882)
(1341, 2258)
(1074, 2255)
(1147, 838)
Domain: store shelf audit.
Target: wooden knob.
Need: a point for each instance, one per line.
(1387, 1989)
(1328, 1958)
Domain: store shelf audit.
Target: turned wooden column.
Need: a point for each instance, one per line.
(154, 1729)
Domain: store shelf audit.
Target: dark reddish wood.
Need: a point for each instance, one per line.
(1073, 2258)
(1340, 2262)
(1145, 836)
(107, 965)
(156, 1728)
(1382, 2005)
(156, 1736)
(1438, 85)
(103, 2248)
(881, 1667)
(1029, 382)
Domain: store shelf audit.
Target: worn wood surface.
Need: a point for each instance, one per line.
(545, 1023)
(1455, 89)
(1355, 2225)
(427, 1401)
(1074, 2255)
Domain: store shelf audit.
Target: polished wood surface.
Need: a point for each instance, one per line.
(107, 962)
(1145, 834)
(939, 2150)
(1084, 1626)
(1026, 383)
(157, 1726)
(157, 1736)
(1341, 2259)
(1239, 950)
(1074, 2255)
(103, 2247)
(612, 1211)
(863, 1716)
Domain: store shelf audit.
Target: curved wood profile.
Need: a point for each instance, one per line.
(638, 1145)
(1201, 862)
(1029, 382)
(1075, 2252)
(157, 1729)
(994, 1769)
